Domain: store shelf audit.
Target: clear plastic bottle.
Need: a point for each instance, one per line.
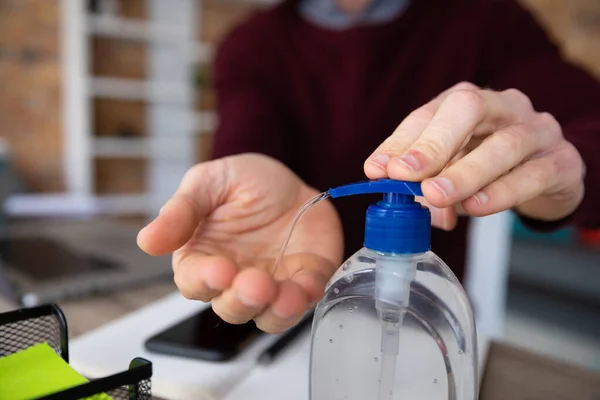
(394, 323)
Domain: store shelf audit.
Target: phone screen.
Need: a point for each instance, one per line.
(204, 336)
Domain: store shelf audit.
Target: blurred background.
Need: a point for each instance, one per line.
(105, 104)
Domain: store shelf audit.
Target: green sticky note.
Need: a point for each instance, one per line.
(35, 372)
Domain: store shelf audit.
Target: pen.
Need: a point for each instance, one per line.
(285, 340)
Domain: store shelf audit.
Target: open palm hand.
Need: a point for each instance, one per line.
(225, 225)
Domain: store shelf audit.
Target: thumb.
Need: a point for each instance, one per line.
(195, 199)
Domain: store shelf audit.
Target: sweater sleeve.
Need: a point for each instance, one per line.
(250, 115)
(518, 54)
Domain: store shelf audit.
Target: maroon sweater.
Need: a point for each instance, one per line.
(321, 101)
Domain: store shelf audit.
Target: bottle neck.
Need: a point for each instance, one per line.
(393, 199)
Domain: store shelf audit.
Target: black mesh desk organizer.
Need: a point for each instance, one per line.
(27, 327)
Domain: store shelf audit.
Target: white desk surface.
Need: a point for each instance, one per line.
(110, 348)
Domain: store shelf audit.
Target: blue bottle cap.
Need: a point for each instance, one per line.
(397, 224)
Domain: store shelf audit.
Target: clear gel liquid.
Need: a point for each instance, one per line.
(311, 202)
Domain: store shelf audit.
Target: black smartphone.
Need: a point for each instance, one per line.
(204, 336)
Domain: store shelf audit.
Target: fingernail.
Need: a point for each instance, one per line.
(481, 198)
(444, 185)
(410, 162)
(247, 302)
(380, 160)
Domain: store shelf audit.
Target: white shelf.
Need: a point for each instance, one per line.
(121, 147)
(159, 92)
(122, 204)
(156, 148)
(130, 29)
(173, 51)
(131, 89)
(135, 29)
(67, 205)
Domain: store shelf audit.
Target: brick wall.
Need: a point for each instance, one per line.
(30, 101)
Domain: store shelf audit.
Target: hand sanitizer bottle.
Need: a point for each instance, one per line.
(395, 322)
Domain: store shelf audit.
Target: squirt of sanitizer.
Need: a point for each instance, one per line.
(394, 322)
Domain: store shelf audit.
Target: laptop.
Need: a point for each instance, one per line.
(52, 261)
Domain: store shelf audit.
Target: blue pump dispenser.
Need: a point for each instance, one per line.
(393, 318)
(397, 224)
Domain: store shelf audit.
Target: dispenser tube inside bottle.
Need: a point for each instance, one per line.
(392, 284)
(392, 291)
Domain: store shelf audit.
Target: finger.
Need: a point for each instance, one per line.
(310, 271)
(197, 196)
(173, 227)
(202, 277)
(502, 151)
(406, 133)
(252, 290)
(524, 183)
(312, 284)
(458, 117)
(287, 309)
(442, 218)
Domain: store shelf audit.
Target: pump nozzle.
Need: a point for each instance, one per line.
(405, 189)
(397, 224)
